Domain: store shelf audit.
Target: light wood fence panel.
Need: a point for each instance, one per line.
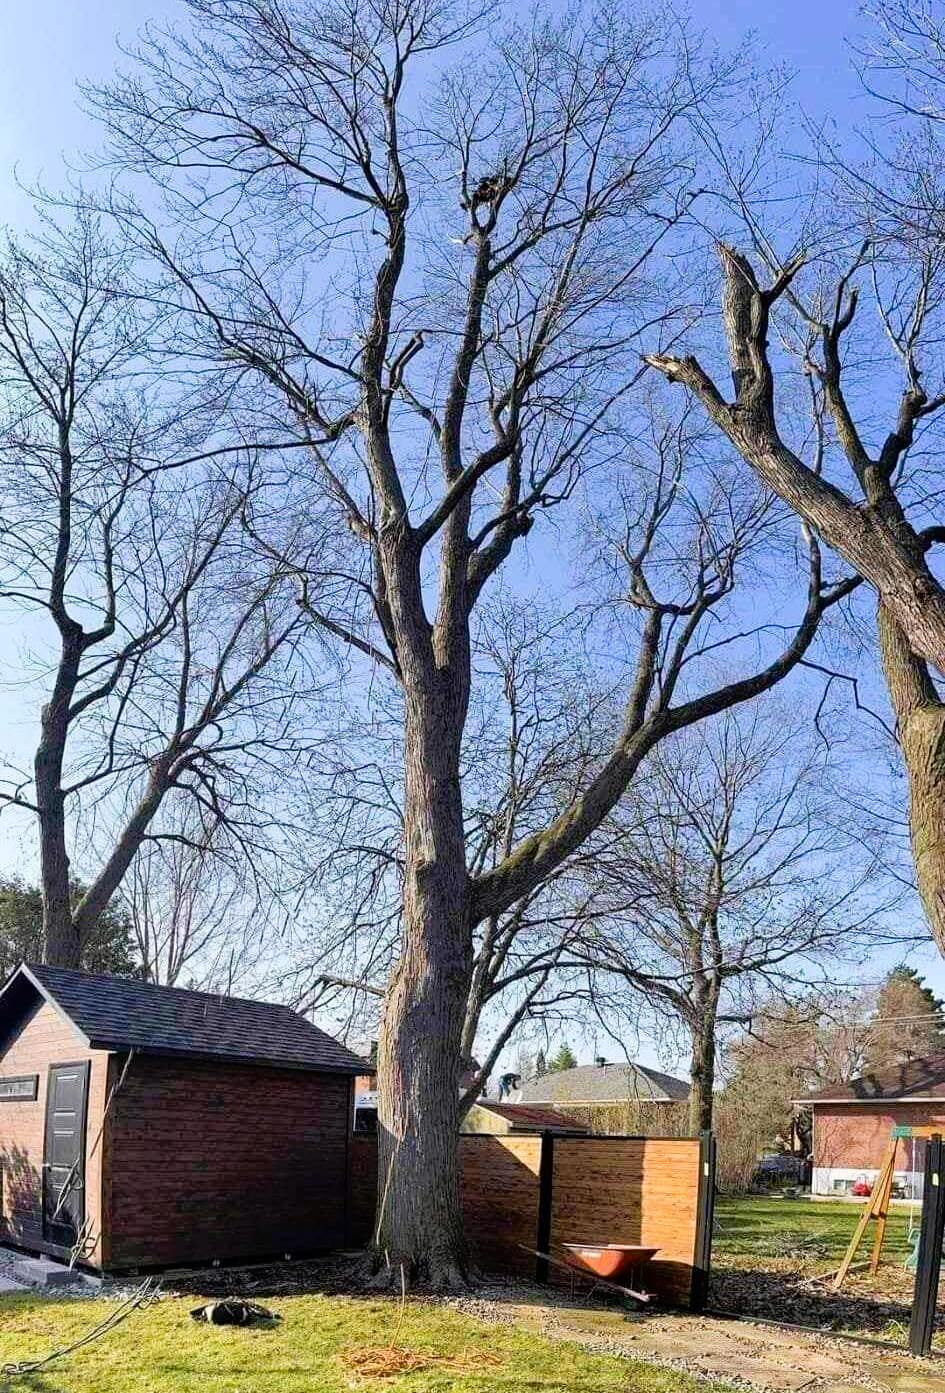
(651, 1191)
(625, 1190)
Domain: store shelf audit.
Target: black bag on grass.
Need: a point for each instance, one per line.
(234, 1311)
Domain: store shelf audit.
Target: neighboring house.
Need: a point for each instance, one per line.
(853, 1122)
(145, 1126)
(513, 1119)
(620, 1099)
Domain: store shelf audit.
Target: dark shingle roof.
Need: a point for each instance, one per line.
(117, 1013)
(917, 1078)
(607, 1083)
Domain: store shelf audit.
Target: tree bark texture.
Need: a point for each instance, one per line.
(920, 718)
(419, 1229)
(62, 942)
(702, 1073)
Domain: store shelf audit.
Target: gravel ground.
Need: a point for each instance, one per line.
(496, 1305)
(652, 1338)
(9, 1257)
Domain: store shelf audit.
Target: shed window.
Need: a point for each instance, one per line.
(21, 1090)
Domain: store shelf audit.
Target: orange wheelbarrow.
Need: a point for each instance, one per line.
(603, 1265)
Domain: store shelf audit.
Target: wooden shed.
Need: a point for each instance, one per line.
(145, 1126)
(517, 1119)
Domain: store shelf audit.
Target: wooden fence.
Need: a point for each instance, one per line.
(537, 1192)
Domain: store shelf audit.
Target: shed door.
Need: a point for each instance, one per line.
(67, 1097)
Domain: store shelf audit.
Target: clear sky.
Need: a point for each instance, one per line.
(51, 46)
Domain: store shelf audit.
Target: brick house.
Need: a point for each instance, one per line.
(853, 1122)
(145, 1126)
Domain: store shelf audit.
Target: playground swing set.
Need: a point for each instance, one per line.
(928, 1237)
(878, 1207)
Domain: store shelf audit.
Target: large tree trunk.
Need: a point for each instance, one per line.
(920, 717)
(98, 896)
(61, 942)
(419, 1228)
(702, 1074)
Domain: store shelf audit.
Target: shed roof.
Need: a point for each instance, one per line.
(117, 1013)
(532, 1119)
(909, 1081)
(603, 1083)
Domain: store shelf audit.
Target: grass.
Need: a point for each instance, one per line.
(161, 1349)
(752, 1226)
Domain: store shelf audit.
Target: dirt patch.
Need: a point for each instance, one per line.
(796, 1299)
(334, 1275)
(801, 1294)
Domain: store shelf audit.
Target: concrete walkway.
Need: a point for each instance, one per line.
(752, 1355)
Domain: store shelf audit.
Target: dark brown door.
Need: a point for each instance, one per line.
(67, 1098)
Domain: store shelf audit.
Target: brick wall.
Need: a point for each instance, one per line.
(210, 1161)
(45, 1039)
(856, 1136)
(362, 1189)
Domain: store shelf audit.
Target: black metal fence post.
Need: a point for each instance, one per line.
(705, 1216)
(546, 1172)
(929, 1261)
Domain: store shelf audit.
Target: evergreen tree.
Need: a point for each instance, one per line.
(108, 949)
(564, 1059)
(909, 1021)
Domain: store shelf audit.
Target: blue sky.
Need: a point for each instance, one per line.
(52, 46)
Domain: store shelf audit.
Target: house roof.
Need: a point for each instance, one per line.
(532, 1119)
(915, 1079)
(603, 1083)
(117, 1013)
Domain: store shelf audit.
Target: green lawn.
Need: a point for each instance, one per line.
(755, 1227)
(161, 1349)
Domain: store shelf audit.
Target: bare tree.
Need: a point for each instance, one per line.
(536, 729)
(122, 502)
(194, 922)
(434, 275)
(876, 505)
(874, 535)
(728, 876)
